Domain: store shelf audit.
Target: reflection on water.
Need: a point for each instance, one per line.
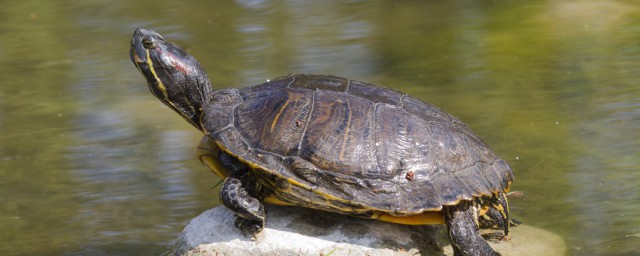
(606, 182)
(296, 38)
(91, 163)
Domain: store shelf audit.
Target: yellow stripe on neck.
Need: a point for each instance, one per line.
(161, 86)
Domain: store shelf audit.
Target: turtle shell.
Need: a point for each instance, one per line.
(346, 146)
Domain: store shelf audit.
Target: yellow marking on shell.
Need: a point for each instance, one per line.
(275, 120)
(345, 139)
(274, 200)
(424, 218)
(161, 86)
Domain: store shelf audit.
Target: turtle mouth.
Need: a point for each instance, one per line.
(135, 57)
(137, 52)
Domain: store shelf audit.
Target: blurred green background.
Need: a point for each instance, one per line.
(92, 164)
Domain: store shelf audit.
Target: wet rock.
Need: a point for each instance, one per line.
(297, 231)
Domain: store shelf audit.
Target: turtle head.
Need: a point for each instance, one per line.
(173, 76)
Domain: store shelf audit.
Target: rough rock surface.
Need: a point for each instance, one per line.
(297, 231)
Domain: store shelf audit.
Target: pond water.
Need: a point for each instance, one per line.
(92, 164)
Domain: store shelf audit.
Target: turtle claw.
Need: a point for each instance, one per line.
(496, 237)
(515, 222)
(249, 228)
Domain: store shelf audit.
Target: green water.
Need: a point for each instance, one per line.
(92, 164)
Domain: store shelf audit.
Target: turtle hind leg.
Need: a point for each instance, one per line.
(249, 211)
(497, 214)
(464, 233)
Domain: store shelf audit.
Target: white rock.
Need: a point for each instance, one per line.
(298, 231)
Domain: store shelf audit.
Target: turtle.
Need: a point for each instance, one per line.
(332, 144)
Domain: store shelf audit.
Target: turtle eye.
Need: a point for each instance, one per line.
(147, 43)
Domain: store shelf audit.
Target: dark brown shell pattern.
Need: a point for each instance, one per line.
(361, 145)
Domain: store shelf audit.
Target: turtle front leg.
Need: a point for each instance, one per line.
(464, 233)
(249, 211)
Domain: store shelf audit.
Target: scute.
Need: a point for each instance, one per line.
(348, 146)
(218, 114)
(232, 142)
(473, 176)
(423, 191)
(375, 93)
(316, 82)
(426, 111)
(282, 114)
(338, 136)
(451, 189)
